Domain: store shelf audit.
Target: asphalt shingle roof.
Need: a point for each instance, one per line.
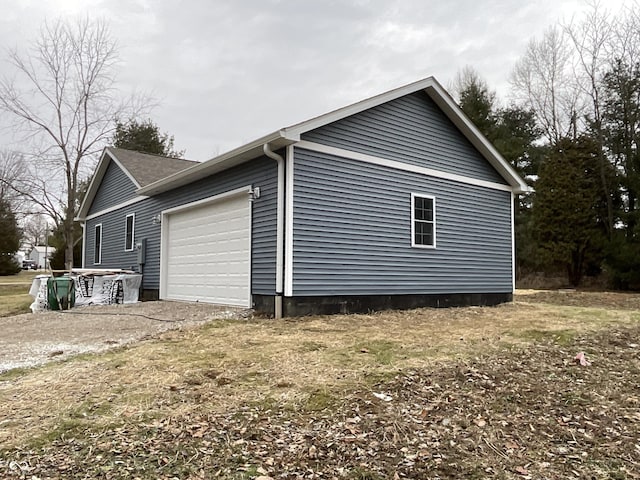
(146, 168)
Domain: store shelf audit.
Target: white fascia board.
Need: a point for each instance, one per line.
(92, 189)
(292, 134)
(206, 201)
(471, 132)
(115, 159)
(230, 159)
(96, 180)
(113, 208)
(439, 95)
(321, 120)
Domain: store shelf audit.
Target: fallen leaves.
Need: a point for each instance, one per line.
(519, 413)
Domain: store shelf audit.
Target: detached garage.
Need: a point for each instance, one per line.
(206, 250)
(397, 201)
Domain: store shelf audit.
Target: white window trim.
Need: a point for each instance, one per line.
(133, 232)
(95, 228)
(413, 220)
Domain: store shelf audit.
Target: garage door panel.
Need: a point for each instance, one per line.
(208, 253)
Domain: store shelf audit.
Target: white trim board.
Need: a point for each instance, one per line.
(205, 201)
(164, 235)
(362, 157)
(114, 208)
(288, 135)
(413, 220)
(513, 244)
(133, 232)
(288, 249)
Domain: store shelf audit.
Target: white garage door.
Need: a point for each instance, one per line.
(207, 252)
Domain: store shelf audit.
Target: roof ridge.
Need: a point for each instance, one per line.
(151, 154)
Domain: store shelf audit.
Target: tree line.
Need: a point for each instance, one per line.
(572, 130)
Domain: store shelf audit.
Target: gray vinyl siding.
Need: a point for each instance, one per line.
(261, 173)
(352, 232)
(410, 129)
(116, 187)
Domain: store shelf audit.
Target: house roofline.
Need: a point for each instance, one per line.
(277, 140)
(290, 135)
(105, 157)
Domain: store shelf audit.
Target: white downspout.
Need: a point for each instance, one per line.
(84, 242)
(280, 223)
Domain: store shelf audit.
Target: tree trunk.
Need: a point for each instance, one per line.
(68, 234)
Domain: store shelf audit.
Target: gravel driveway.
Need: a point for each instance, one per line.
(36, 338)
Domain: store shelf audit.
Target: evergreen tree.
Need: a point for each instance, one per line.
(9, 239)
(477, 102)
(144, 136)
(514, 132)
(621, 135)
(566, 216)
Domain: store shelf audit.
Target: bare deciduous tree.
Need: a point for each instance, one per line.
(63, 99)
(35, 230)
(13, 170)
(591, 38)
(542, 79)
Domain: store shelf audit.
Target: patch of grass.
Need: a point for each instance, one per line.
(24, 277)
(560, 337)
(310, 346)
(383, 351)
(14, 294)
(361, 473)
(9, 289)
(65, 428)
(319, 400)
(13, 374)
(576, 399)
(15, 304)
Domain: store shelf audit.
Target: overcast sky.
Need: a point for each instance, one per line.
(226, 72)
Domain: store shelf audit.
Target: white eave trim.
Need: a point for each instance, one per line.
(439, 95)
(230, 159)
(96, 180)
(477, 139)
(112, 209)
(289, 135)
(362, 157)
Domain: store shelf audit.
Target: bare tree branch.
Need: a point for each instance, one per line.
(63, 98)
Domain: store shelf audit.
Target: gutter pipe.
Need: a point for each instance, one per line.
(280, 223)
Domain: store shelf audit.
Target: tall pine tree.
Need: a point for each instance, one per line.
(566, 215)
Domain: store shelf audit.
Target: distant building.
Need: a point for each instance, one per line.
(41, 254)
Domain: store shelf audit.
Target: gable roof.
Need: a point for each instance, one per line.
(146, 168)
(142, 169)
(289, 135)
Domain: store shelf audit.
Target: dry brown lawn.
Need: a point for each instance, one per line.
(428, 393)
(14, 293)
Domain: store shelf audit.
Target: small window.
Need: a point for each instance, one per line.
(97, 245)
(423, 218)
(129, 232)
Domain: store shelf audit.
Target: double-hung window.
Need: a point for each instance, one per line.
(97, 244)
(423, 221)
(129, 232)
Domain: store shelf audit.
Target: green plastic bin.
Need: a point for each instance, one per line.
(61, 293)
